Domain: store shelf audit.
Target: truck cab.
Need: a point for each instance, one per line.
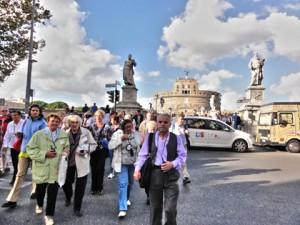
(279, 125)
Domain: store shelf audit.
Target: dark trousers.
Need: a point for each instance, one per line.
(15, 159)
(97, 163)
(52, 190)
(79, 187)
(164, 186)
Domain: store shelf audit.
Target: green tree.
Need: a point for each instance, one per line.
(15, 18)
(42, 104)
(57, 105)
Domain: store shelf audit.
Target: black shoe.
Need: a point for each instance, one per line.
(78, 213)
(100, 192)
(186, 180)
(33, 196)
(67, 203)
(7, 170)
(148, 201)
(9, 205)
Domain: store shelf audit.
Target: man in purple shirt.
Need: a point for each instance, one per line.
(169, 156)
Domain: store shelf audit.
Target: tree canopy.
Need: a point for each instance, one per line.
(15, 19)
(57, 105)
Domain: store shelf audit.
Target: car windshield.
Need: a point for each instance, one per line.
(265, 119)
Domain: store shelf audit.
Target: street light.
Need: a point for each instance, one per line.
(30, 61)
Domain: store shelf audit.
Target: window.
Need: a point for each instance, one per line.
(287, 117)
(215, 125)
(265, 119)
(195, 123)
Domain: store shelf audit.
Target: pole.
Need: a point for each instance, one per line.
(116, 88)
(29, 67)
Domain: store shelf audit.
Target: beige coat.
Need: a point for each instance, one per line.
(115, 144)
(87, 143)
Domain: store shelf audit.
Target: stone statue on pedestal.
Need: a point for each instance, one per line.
(128, 71)
(256, 66)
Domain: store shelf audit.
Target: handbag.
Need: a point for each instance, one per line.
(62, 170)
(146, 170)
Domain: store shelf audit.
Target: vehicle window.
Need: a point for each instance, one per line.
(215, 125)
(288, 117)
(195, 123)
(265, 119)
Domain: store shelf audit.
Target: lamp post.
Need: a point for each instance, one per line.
(30, 61)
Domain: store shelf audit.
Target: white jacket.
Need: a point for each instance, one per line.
(116, 144)
(88, 143)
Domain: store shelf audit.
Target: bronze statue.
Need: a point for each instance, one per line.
(128, 71)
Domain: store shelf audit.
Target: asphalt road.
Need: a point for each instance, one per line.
(255, 188)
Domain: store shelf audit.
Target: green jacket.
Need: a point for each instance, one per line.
(45, 170)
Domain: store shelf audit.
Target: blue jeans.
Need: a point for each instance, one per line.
(125, 183)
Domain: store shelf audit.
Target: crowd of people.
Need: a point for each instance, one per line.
(87, 140)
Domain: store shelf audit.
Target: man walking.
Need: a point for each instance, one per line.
(168, 156)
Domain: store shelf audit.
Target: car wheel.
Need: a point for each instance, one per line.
(240, 145)
(293, 146)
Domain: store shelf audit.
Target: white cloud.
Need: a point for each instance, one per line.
(295, 6)
(69, 65)
(289, 86)
(229, 100)
(213, 80)
(154, 73)
(199, 37)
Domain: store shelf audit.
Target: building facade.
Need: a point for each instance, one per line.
(187, 98)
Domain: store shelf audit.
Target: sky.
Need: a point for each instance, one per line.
(87, 42)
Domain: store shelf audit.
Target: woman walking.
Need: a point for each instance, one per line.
(82, 144)
(45, 149)
(99, 131)
(125, 143)
(32, 124)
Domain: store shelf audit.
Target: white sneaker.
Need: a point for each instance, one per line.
(49, 220)
(38, 210)
(110, 176)
(122, 214)
(128, 203)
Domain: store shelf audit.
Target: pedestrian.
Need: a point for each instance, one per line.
(126, 145)
(114, 126)
(82, 144)
(94, 108)
(32, 124)
(169, 156)
(178, 129)
(5, 118)
(85, 108)
(236, 121)
(10, 139)
(99, 131)
(45, 149)
(138, 118)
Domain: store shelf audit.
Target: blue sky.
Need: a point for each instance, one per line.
(88, 41)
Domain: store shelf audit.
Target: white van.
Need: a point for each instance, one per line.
(208, 132)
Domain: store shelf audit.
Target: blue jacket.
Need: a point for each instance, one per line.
(29, 128)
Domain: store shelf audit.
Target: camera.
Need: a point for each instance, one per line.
(130, 149)
(82, 151)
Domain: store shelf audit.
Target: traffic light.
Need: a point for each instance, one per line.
(117, 95)
(111, 96)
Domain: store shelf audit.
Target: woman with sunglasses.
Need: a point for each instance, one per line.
(125, 143)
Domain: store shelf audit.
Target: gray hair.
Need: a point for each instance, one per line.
(75, 118)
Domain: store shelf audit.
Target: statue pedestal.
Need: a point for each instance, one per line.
(129, 102)
(255, 95)
(250, 107)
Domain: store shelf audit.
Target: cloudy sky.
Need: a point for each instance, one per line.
(88, 41)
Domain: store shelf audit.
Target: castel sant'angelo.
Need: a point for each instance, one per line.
(186, 98)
